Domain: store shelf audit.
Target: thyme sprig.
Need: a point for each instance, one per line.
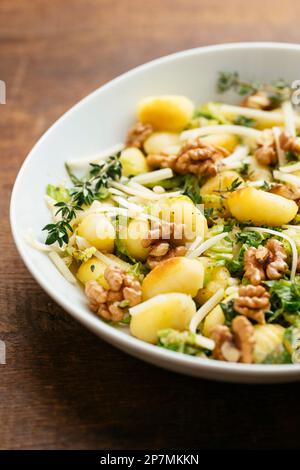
(234, 185)
(85, 191)
(277, 91)
(231, 81)
(244, 121)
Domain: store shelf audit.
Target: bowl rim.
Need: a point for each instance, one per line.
(107, 332)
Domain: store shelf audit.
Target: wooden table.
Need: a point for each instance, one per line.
(62, 387)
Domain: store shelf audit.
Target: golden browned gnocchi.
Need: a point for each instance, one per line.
(170, 310)
(137, 232)
(98, 231)
(162, 142)
(260, 207)
(174, 275)
(169, 113)
(133, 162)
(92, 269)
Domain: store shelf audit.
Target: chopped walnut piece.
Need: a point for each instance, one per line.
(265, 262)
(289, 192)
(221, 335)
(276, 265)
(161, 160)
(161, 249)
(103, 312)
(254, 259)
(114, 276)
(163, 230)
(138, 134)
(96, 295)
(161, 238)
(153, 261)
(132, 290)
(289, 143)
(116, 313)
(199, 158)
(113, 296)
(253, 302)
(266, 153)
(236, 345)
(258, 100)
(194, 157)
(122, 287)
(244, 338)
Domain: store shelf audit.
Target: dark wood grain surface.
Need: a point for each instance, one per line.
(62, 387)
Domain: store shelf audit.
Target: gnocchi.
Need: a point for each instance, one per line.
(260, 207)
(162, 142)
(98, 231)
(181, 210)
(174, 275)
(166, 112)
(214, 318)
(227, 141)
(220, 184)
(136, 233)
(216, 278)
(172, 310)
(268, 340)
(133, 162)
(92, 270)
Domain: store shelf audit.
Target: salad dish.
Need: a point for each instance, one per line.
(187, 233)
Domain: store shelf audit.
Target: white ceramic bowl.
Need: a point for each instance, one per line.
(101, 120)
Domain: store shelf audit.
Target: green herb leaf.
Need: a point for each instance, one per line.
(208, 212)
(84, 192)
(226, 81)
(139, 271)
(235, 267)
(244, 121)
(59, 193)
(234, 185)
(171, 183)
(228, 311)
(231, 80)
(191, 188)
(71, 175)
(266, 186)
(244, 170)
(280, 355)
(277, 91)
(285, 298)
(249, 238)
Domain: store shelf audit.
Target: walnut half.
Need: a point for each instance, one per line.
(253, 302)
(165, 241)
(265, 262)
(138, 134)
(289, 143)
(123, 289)
(199, 158)
(266, 153)
(289, 192)
(258, 100)
(236, 345)
(254, 259)
(195, 157)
